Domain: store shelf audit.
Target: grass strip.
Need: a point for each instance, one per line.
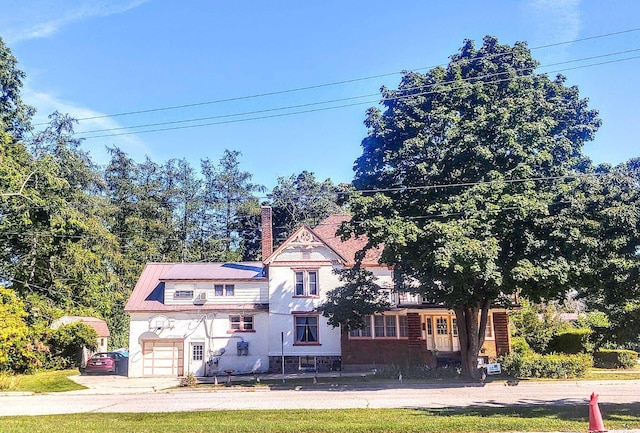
(470, 419)
(45, 381)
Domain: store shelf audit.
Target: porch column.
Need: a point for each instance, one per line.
(501, 330)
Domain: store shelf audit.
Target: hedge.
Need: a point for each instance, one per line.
(571, 341)
(554, 366)
(605, 358)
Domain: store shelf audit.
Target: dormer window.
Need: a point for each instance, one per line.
(306, 283)
(183, 294)
(224, 289)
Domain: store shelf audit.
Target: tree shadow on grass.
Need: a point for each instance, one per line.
(566, 410)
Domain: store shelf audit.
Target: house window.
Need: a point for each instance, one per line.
(306, 329)
(454, 327)
(385, 326)
(390, 326)
(306, 283)
(429, 326)
(197, 352)
(442, 328)
(404, 326)
(183, 294)
(488, 332)
(365, 331)
(224, 289)
(241, 323)
(307, 363)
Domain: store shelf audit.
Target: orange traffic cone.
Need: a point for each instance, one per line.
(595, 419)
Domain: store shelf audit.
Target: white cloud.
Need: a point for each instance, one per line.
(33, 19)
(555, 20)
(47, 103)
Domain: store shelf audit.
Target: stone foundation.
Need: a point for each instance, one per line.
(292, 364)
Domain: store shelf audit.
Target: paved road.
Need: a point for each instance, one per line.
(138, 398)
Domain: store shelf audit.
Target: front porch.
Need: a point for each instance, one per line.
(421, 337)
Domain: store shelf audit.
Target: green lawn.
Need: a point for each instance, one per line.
(554, 418)
(44, 381)
(614, 374)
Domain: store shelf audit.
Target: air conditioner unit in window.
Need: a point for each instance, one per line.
(201, 298)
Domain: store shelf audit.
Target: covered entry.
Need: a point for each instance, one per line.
(163, 358)
(440, 332)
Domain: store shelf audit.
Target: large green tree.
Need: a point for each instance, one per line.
(15, 115)
(230, 196)
(613, 223)
(302, 200)
(464, 181)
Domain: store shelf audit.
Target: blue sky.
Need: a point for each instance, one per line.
(94, 58)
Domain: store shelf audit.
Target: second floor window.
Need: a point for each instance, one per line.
(224, 289)
(183, 294)
(306, 283)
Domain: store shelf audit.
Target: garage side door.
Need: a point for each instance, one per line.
(162, 358)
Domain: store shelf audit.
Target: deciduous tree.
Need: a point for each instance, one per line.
(462, 180)
(302, 200)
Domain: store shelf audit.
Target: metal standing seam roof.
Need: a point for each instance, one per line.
(150, 285)
(214, 271)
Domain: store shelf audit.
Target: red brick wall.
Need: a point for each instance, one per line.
(381, 351)
(368, 351)
(501, 329)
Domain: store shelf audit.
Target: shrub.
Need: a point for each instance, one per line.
(189, 380)
(606, 358)
(571, 341)
(15, 353)
(68, 341)
(554, 366)
(537, 324)
(417, 372)
(520, 345)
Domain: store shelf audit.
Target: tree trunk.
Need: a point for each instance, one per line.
(471, 333)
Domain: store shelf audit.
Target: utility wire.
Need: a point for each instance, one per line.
(336, 83)
(330, 108)
(290, 107)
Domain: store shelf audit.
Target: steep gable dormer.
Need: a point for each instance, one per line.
(304, 245)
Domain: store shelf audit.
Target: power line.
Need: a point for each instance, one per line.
(326, 108)
(335, 83)
(486, 182)
(469, 79)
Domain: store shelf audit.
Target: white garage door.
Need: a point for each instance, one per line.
(162, 358)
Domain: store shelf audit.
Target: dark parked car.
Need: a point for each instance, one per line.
(107, 362)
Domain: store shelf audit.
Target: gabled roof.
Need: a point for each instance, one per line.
(148, 294)
(295, 238)
(98, 324)
(327, 231)
(213, 271)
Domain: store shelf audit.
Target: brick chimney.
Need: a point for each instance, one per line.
(267, 232)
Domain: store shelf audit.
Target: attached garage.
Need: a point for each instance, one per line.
(163, 358)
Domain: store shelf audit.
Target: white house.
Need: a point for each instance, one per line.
(199, 318)
(212, 318)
